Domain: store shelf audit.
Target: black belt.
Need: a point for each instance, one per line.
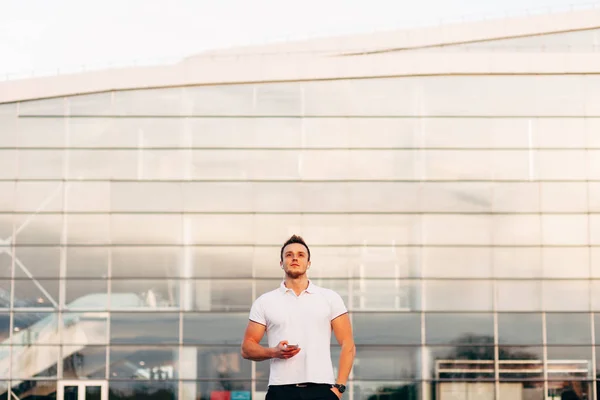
(302, 385)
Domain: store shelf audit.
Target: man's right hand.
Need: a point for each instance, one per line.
(283, 352)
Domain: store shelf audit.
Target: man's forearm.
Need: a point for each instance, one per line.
(347, 354)
(255, 352)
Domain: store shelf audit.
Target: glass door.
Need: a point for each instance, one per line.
(82, 390)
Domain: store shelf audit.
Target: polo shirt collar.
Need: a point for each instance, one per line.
(310, 289)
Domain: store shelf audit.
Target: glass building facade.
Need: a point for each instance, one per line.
(456, 215)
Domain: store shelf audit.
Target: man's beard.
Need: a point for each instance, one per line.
(294, 274)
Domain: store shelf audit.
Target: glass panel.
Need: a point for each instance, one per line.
(5, 293)
(159, 229)
(86, 294)
(88, 196)
(562, 164)
(42, 293)
(457, 262)
(221, 295)
(8, 164)
(5, 272)
(5, 326)
(564, 197)
(103, 164)
(566, 295)
(372, 196)
(516, 229)
(154, 261)
(386, 363)
(521, 363)
(517, 262)
(520, 329)
(215, 363)
(38, 229)
(7, 202)
(570, 362)
(564, 262)
(455, 295)
(38, 196)
(470, 229)
(85, 328)
(568, 328)
(516, 196)
(41, 164)
(166, 390)
(35, 328)
(146, 328)
(371, 390)
(88, 229)
(226, 196)
(93, 392)
(567, 388)
(206, 389)
(231, 261)
(41, 262)
(216, 328)
(386, 294)
(84, 362)
(516, 295)
(34, 361)
(88, 262)
(71, 392)
(459, 328)
(522, 390)
(565, 229)
(144, 293)
(473, 362)
(38, 390)
(145, 196)
(144, 363)
(386, 328)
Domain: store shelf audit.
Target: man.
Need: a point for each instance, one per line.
(298, 318)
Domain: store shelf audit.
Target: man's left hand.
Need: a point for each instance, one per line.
(337, 392)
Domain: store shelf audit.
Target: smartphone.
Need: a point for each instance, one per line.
(291, 346)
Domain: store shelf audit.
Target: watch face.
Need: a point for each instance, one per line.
(341, 388)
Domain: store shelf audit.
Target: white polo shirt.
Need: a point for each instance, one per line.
(304, 320)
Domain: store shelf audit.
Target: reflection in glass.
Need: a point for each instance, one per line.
(143, 363)
(159, 262)
(42, 293)
(458, 295)
(221, 295)
(84, 362)
(455, 328)
(216, 328)
(144, 328)
(386, 328)
(521, 363)
(223, 363)
(213, 388)
(4, 326)
(569, 388)
(385, 294)
(570, 362)
(510, 390)
(520, 329)
(84, 328)
(144, 293)
(35, 328)
(568, 328)
(472, 362)
(518, 295)
(39, 390)
(93, 392)
(386, 363)
(34, 361)
(370, 390)
(86, 294)
(41, 262)
(87, 262)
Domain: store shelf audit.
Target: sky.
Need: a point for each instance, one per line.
(54, 36)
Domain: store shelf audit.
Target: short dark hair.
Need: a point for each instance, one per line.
(295, 239)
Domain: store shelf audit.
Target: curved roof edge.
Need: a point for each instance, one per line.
(277, 69)
(255, 66)
(467, 32)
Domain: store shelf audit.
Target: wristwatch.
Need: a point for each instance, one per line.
(339, 387)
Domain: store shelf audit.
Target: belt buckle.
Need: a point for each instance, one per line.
(301, 385)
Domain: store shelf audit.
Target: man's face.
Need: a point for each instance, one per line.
(295, 260)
